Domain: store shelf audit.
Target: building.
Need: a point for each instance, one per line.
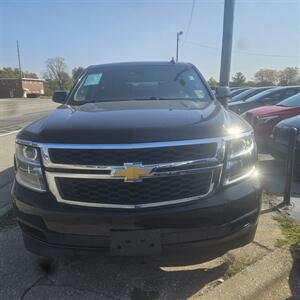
(21, 87)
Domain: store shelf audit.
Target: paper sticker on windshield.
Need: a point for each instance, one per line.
(93, 79)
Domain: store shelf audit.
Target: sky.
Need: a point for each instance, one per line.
(266, 33)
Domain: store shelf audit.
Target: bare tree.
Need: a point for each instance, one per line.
(289, 76)
(76, 72)
(212, 82)
(56, 73)
(266, 77)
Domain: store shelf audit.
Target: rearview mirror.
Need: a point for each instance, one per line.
(223, 95)
(60, 96)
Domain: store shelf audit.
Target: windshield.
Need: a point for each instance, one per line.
(291, 101)
(247, 94)
(237, 92)
(260, 95)
(140, 83)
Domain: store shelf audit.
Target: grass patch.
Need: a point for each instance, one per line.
(267, 197)
(233, 265)
(290, 229)
(234, 268)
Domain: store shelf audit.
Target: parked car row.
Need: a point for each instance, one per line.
(279, 140)
(270, 96)
(263, 119)
(272, 112)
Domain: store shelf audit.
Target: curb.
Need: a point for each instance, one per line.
(252, 281)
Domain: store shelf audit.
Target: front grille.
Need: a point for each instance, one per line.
(116, 157)
(150, 190)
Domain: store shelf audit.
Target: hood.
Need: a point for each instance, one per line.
(242, 106)
(270, 110)
(234, 103)
(132, 122)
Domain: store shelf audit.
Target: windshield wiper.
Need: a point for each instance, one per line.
(164, 98)
(175, 98)
(137, 99)
(82, 102)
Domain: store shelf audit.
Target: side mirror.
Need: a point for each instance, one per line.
(223, 95)
(60, 96)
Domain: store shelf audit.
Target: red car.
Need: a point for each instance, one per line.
(264, 118)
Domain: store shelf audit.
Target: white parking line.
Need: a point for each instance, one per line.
(9, 133)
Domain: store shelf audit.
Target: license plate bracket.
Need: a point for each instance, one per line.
(137, 242)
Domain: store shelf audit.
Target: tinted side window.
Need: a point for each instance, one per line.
(273, 98)
(291, 92)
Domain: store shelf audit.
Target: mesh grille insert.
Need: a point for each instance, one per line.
(150, 190)
(116, 157)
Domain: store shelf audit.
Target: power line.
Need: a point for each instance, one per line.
(265, 54)
(189, 23)
(202, 45)
(243, 52)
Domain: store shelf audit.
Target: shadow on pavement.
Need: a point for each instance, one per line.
(6, 181)
(6, 176)
(294, 277)
(133, 278)
(273, 179)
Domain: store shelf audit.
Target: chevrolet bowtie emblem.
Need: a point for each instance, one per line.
(132, 172)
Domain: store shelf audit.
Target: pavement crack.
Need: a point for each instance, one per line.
(262, 246)
(31, 286)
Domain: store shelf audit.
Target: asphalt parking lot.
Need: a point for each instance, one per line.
(25, 276)
(17, 113)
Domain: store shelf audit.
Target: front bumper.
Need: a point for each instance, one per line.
(224, 221)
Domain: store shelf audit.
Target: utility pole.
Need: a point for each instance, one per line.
(20, 70)
(227, 42)
(177, 44)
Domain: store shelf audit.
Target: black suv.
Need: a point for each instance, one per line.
(139, 158)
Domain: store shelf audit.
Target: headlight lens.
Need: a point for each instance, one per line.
(266, 120)
(241, 158)
(28, 168)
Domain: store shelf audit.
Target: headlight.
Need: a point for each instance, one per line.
(241, 158)
(265, 120)
(28, 168)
